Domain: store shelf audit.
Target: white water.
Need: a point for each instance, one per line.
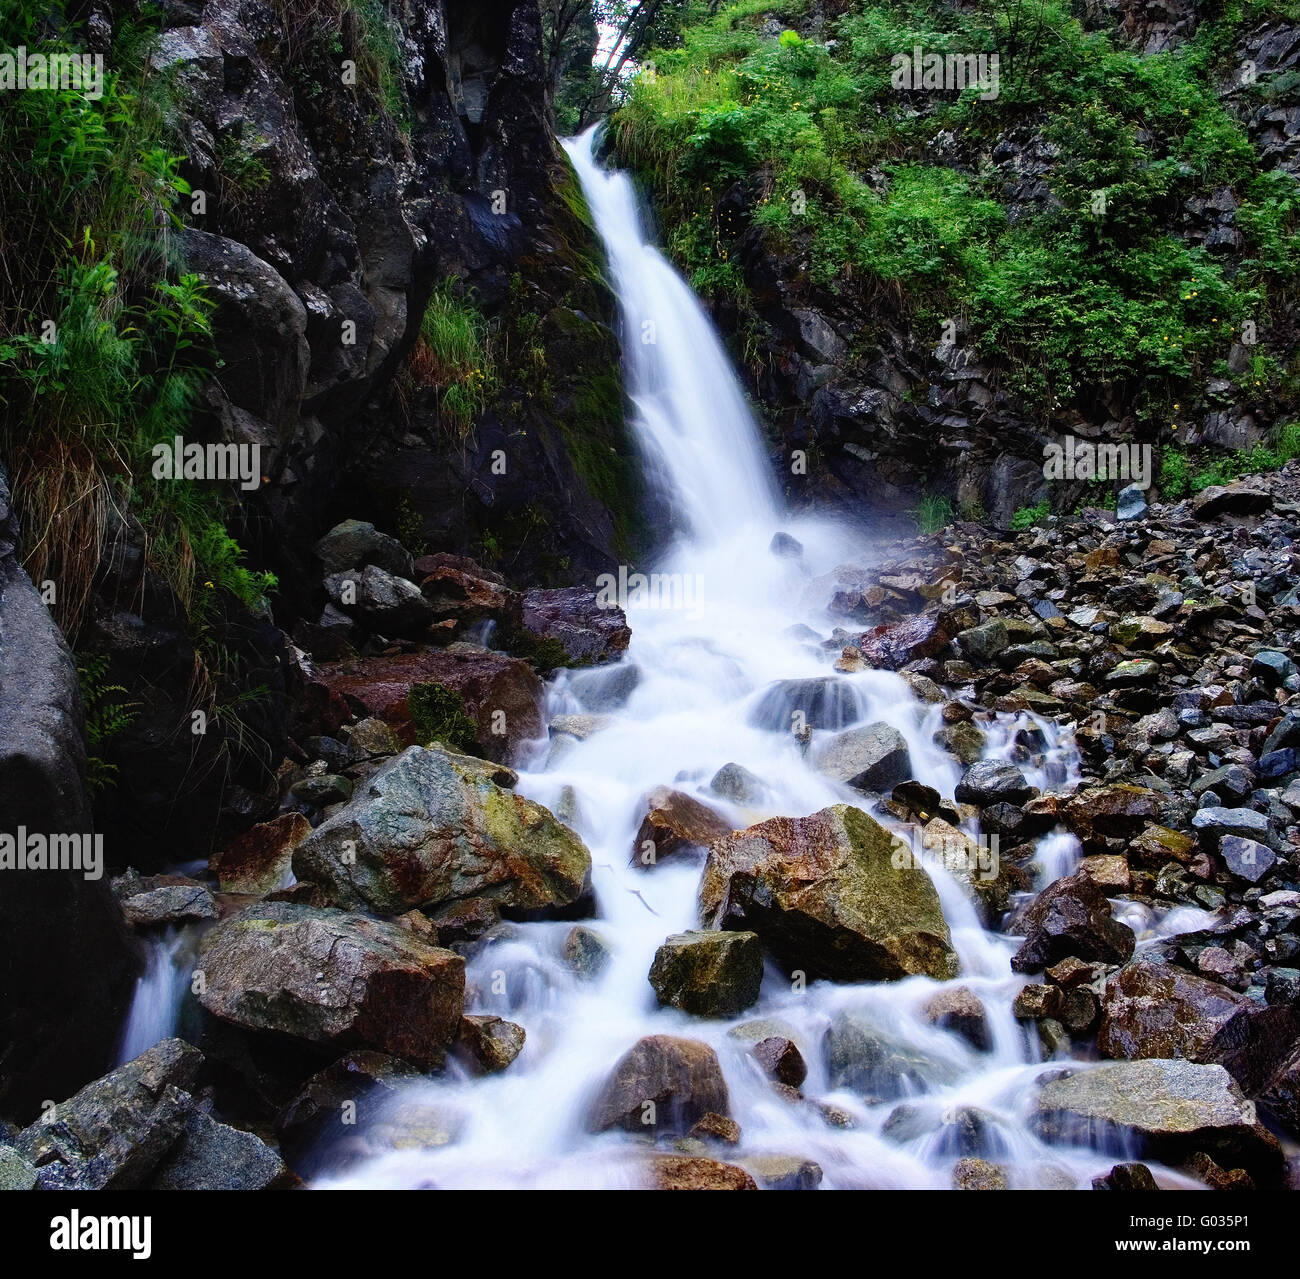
(159, 991)
(701, 671)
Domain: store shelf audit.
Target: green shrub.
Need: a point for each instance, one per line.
(932, 513)
(1027, 516)
(439, 715)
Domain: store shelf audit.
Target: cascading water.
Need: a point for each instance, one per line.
(686, 701)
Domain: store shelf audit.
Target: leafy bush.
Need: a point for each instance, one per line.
(1027, 516)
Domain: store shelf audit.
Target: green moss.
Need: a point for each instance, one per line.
(439, 715)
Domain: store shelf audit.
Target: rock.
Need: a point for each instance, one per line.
(460, 590)
(874, 758)
(573, 622)
(681, 1078)
(992, 782)
(322, 790)
(429, 828)
(983, 643)
(785, 547)
(355, 543)
(1236, 499)
(914, 638)
(822, 702)
(674, 821)
(784, 1172)
(261, 859)
(1246, 858)
(1272, 667)
(681, 1172)
(978, 1174)
(332, 979)
(578, 727)
(780, 1059)
(1130, 503)
(711, 974)
(15, 1172)
(826, 896)
(1213, 823)
(586, 952)
(878, 1068)
(158, 900)
(1166, 1109)
(372, 738)
(963, 739)
(500, 696)
(464, 920)
(63, 943)
(1231, 780)
(1071, 917)
(1095, 813)
(488, 1044)
(1126, 1177)
(1158, 844)
(213, 1156)
(738, 784)
(960, 1011)
(384, 603)
(117, 1130)
(1133, 673)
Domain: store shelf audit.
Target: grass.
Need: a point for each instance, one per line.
(932, 513)
(454, 355)
(1184, 474)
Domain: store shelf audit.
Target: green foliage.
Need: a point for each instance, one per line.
(1085, 296)
(455, 355)
(1184, 474)
(106, 716)
(1027, 516)
(932, 513)
(439, 715)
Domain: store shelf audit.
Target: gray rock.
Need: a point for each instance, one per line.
(1214, 823)
(385, 603)
(1131, 503)
(710, 974)
(993, 781)
(356, 543)
(875, 1066)
(1246, 858)
(15, 1172)
(985, 642)
(213, 1156)
(738, 784)
(874, 758)
(1273, 667)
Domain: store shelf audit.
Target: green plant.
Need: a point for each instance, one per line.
(454, 354)
(932, 513)
(1027, 516)
(106, 717)
(439, 715)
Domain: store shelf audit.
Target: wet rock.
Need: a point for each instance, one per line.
(586, 952)
(259, 861)
(117, 1130)
(963, 739)
(1095, 813)
(1213, 823)
(960, 1011)
(822, 702)
(662, 1084)
(334, 980)
(674, 821)
(682, 1172)
(154, 901)
(874, 758)
(738, 784)
(578, 727)
(992, 782)
(1236, 499)
(214, 1156)
(860, 1057)
(461, 591)
(786, 547)
(1071, 917)
(322, 790)
(1126, 1177)
(429, 828)
(1246, 858)
(465, 920)
(1273, 667)
(1130, 503)
(983, 643)
(978, 1174)
(383, 603)
(709, 974)
(826, 896)
(574, 620)
(784, 1172)
(780, 1059)
(355, 543)
(1230, 781)
(1167, 1109)
(890, 647)
(488, 1044)
(1136, 672)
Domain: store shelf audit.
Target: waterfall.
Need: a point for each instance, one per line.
(159, 992)
(700, 673)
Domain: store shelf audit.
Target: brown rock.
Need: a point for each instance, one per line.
(662, 1084)
(682, 1172)
(781, 1059)
(960, 1011)
(674, 821)
(259, 859)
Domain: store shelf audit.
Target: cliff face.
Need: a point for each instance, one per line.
(348, 161)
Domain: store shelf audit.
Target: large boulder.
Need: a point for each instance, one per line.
(566, 627)
(833, 895)
(992, 781)
(662, 1084)
(356, 543)
(1071, 917)
(214, 1156)
(1161, 1109)
(1157, 1010)
(431, 827)
(874, 758)
(334, 980)
(115, 1131)
(384, 603)
(66, 967)
(501, 696)
(708, 974)
(825, 701)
